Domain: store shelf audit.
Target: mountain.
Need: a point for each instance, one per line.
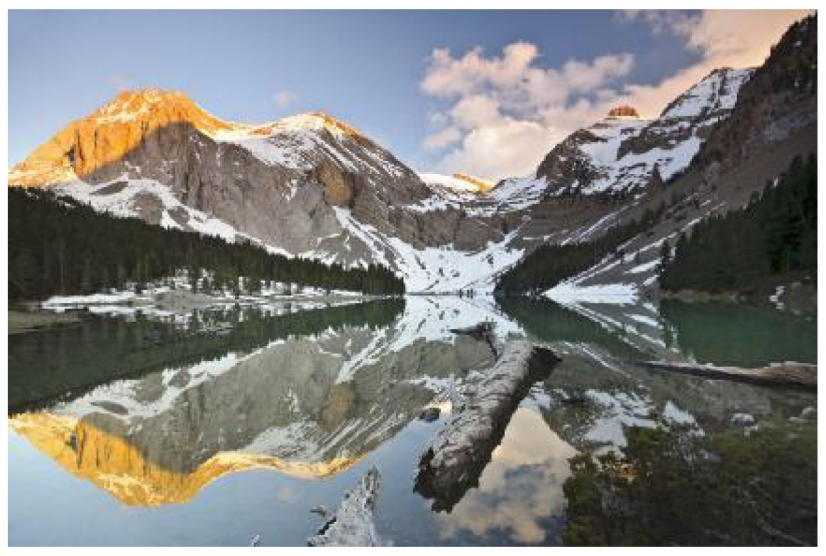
(308, 185)
(746, 144)
(159, 155)
(779, 102)
(624, 154)
(315, 187)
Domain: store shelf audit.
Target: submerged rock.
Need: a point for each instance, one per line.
(430, 414)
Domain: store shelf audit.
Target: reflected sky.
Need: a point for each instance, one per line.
(520, 489)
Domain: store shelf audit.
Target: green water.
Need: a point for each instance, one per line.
(740, 335)
(210, 429)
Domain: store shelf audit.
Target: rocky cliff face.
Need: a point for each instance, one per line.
(110, 134)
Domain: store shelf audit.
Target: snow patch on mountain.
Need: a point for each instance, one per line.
(518, 193)
(299, 142)
(630, 171)
(718, 91)
(453, 184)
(433, 269)
(509, 195)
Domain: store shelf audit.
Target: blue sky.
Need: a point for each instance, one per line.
(364, 67)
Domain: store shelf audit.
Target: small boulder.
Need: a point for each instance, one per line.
(430, 414)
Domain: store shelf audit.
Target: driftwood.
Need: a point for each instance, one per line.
(457, 456)
(353, 524)
(482, 331)
(782, 375)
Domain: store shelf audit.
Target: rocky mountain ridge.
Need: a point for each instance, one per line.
(307, 185)
(624, 154)
(748, 145)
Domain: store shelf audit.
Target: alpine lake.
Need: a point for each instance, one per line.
(212, 427)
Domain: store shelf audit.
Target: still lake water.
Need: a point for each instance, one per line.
(212, 428)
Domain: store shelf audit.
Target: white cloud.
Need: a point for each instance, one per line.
(475, 111)
(507, 111)
(494, 150)
(739, 38)
(448, 76)
(284, 98)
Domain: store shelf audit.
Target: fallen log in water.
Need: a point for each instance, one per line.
(459, 453)
(353, 524)
(783, 375)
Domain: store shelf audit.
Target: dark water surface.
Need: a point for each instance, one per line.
(212, 428)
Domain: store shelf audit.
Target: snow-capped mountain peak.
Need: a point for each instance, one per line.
(619, 154)
(112, 132)
(138, 104)
(157, 107)
(315, 121)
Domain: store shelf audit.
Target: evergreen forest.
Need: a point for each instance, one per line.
(58, 246)
(775, 234)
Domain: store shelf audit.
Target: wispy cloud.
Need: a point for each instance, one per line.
(442, 138)
(660, 21)
(284, 98)
(501, 114)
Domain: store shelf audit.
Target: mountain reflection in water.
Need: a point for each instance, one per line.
(151, 412)
(310, 405)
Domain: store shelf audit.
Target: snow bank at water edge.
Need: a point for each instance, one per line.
(568, 293)
(84, 300)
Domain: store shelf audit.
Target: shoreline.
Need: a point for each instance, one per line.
(797, 296)
(22, 321)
